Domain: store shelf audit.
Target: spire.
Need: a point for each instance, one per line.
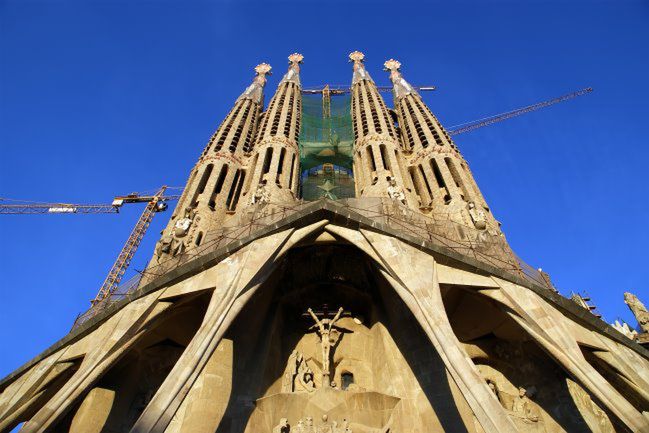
(401, 87)
(360, 73)
(293, 74)
(255, 91)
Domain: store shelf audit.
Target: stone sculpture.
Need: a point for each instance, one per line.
(307, 425)
(298, 376)
(523, 407)
(639, 310)
(327, 340)
(262, 195)
(477, 216)
(395, 192)
(282, 427)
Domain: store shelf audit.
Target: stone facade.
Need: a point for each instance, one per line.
(334, 316)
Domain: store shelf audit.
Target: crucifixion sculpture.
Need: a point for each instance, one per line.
(328, 339)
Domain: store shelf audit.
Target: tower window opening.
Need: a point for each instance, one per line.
(402, 171)
(370, 156)
(252, 171)
(423, 176)
(226, 128)
(290, 175)
(413, 177)
(199, 238)
(384, 156)
(278, 111)
(235, 190)
(218, 186)
(280, 167)
(289, 116)
(456, 178)
(267, 158)
(346, 379)
(440, 180)
(201, 185)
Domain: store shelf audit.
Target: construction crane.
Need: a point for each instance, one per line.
(480, 123)
(343, 90)
(154, 203)
(327, 91)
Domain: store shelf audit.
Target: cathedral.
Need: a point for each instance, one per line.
(332, 267)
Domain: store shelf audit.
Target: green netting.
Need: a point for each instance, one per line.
(326, 145)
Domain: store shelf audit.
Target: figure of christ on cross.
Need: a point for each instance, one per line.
(326, 340)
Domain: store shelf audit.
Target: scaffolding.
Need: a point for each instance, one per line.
(440, 229)
(326, 147)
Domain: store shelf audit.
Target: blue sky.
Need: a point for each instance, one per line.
(104, 98)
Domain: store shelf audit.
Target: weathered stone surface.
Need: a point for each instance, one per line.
(401, 310)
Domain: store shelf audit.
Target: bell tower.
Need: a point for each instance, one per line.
(215, 183)
(440, 175)
(379, 166)
(276, 157)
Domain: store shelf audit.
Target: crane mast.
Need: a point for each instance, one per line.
(154, 204)
(470, 126)
(55, 208)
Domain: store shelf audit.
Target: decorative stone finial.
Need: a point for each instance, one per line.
(293, 74)
(391, 65)
(360, 73)
(263, 69)
(400, 87)
(295, 58)
(255, 91)
(356, 57)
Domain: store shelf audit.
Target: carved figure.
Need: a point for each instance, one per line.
(181, 228)
(478, 216)
(163, 246)
(327, 339)
(308, 425)
(395, 192)
(292, 369)
(494, 388)
(305, 379)
(282, 427)
(639, 310)
(523, 406)
(261, 194)
(299, 428)
(326, 426)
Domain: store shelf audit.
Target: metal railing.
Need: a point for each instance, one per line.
(441, 228)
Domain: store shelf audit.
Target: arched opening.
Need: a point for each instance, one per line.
(122, 393)
(604, 364)
(533, 389)
(268, 156)
(384, 156)
(218, 186)
(200, 188)
(235, 190)
(457, 179)
(382, 367)
(280, 167)
(42, 391)
(346, 380)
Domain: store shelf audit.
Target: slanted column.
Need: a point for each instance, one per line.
(376, 145)
(211, 194)
(274, 178)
